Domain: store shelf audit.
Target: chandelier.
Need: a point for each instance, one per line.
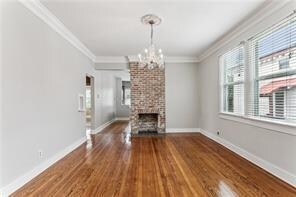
(151, 58)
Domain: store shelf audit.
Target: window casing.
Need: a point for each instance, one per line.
(258, 78)
(272, 59)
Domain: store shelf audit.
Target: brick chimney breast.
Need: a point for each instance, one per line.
(147, 99)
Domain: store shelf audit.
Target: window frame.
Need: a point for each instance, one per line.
(282, 126)
(223, 85)
(255, 78)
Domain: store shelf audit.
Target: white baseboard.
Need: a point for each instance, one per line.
(103, 126)
(122, 118)
(269, 167)
(20, 181)
(182, 130)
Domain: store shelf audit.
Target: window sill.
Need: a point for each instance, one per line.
(282, 127)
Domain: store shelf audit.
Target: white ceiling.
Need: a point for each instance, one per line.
(113, 28)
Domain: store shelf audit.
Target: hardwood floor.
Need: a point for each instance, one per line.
(113, 164)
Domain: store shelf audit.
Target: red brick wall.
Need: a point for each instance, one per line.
(147, 95)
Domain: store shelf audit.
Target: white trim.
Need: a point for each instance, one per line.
(269, 167)
(51, 20)
(170, 59)
(273, 125)
(112, 59)
(269, 8)
(122, 118)
(173, 59)
(44, 14)
(103, 126)
(182, 130)
(20, 181)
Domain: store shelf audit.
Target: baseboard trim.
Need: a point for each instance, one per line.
(182, 130)
(103, 126)
(22, 180)
(122, 118)
(269, 167)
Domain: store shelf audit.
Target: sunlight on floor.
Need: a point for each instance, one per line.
(225, 190)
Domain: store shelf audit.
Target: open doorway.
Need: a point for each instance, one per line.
(89, 104)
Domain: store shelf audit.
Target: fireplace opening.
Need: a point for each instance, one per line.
(148, 123)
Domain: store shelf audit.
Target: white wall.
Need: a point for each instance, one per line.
(42, 75)
(104, 97)
(181, 95)
(277, 148)
(122, 111)
(1, 129)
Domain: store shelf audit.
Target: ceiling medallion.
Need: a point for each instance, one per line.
(151, 58)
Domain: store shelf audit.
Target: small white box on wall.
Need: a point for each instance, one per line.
(81, 103)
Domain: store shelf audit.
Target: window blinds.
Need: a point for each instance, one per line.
(272, 72)
(232, 81)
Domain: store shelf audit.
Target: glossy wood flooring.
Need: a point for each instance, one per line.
(113, 164)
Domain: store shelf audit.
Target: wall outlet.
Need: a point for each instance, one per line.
(218, 132)
(40, 154)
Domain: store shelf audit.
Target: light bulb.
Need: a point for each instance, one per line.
(159, 51)
(140, 57)
(146, 50)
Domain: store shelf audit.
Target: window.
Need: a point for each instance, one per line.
(272, 62)
(284, 63)
(232, 81)
(126, 93)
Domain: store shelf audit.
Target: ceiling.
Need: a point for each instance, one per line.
(113, 28)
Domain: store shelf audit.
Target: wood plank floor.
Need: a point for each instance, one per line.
(113, 164)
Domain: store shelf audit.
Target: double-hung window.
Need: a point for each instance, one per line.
(272, 62)
(261, 82)
(232, 77)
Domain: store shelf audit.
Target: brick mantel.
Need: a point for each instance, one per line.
(147, 95)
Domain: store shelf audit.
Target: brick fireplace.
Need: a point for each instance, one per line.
(147, 100)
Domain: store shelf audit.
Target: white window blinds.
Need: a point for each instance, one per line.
(272, 69)
(232, 81)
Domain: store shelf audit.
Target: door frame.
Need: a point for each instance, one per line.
(92, 84)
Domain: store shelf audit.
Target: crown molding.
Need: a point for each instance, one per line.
(268, 8)
(181, 59)
(37, 8)
(111, 59)
(170, 59)
(51, 20)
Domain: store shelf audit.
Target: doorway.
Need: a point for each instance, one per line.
(89, 104)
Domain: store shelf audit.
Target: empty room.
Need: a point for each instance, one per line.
(148, 98)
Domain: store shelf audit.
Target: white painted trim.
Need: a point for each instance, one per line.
(273, 125)
(112, 59)
(122, 118)
(269, 167)
(170, 59)
(44, 14)
(103, 126)
(51, 20)
(174, 59)
(182, 130)
(269, 8)
(20, 181)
